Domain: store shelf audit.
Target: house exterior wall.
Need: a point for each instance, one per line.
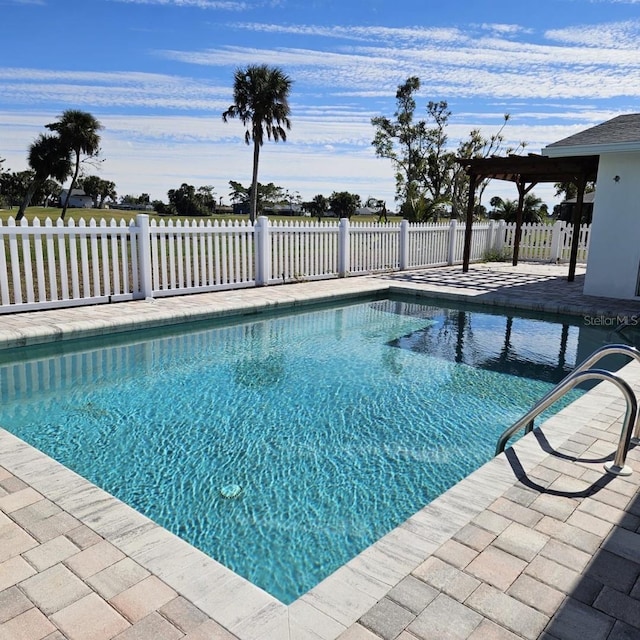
(78, 199)
(614, 248)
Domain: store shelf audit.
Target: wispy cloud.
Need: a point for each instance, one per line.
(613, 35)
(228, 5)
(396, 35)
(504, 29)
(486, 66)
(110, 89)
(581, 62)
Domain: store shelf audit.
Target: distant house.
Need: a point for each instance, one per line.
(78, 200)
(282, 210)
(240, 208)
(565, 209)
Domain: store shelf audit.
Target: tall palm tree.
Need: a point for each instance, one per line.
(78, 131)
(261, 102)
(48, 158)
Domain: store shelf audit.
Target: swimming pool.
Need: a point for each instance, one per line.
(336, 424)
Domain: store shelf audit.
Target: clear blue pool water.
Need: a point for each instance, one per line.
(335, 424)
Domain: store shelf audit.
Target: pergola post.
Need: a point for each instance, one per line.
(581, 184)
(466, 255)
(522, 192)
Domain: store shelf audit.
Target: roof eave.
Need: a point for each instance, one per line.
(591, 149)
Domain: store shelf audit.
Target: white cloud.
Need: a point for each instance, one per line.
(110, 89)
(613, 35)
(458, 65)
(395, 35)
(155, 153)
(229, 5)
(504, 29)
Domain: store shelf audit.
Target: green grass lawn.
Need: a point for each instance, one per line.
(108, 214)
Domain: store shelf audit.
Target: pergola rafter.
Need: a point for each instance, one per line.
(526, 172)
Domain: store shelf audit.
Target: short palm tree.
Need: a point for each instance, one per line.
(107, 190)
(533, 209)
(261, 102)
(78, 131)
(48, 158)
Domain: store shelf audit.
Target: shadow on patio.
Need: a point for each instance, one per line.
(596, 560)
(538, 286)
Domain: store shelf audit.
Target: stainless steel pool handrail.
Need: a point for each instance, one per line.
(581, 373)
(608, 349)
(595, 357)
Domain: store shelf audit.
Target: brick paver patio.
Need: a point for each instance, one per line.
(540, 543)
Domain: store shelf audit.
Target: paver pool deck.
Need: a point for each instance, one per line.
(538, 543)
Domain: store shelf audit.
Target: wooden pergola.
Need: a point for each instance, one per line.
(527, 172)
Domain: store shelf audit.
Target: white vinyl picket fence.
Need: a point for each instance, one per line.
(541, 242)
(56, 265)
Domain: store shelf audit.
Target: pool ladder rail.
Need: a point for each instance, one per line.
(581, 373)
(626, 323)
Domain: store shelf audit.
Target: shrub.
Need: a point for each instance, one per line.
(498, 255)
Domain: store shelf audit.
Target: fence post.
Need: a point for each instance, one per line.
(144, 256)
(451, 254)
(491, 236)
(403, 249)
(556, 241)
(500, 239)
(261, 240)
(344, 257)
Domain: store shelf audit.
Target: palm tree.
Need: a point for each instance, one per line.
(48, 158)
(78, 131)
(318, 206)
(533, 209)
(261, 102)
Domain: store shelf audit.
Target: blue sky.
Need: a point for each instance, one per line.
(158, 74)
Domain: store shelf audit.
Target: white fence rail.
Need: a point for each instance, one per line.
(57, 265)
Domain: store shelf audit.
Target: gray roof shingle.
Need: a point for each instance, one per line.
(619, 130)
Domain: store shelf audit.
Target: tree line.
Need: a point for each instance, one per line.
(191, 201)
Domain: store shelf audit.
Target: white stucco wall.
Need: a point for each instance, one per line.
(614, 249)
